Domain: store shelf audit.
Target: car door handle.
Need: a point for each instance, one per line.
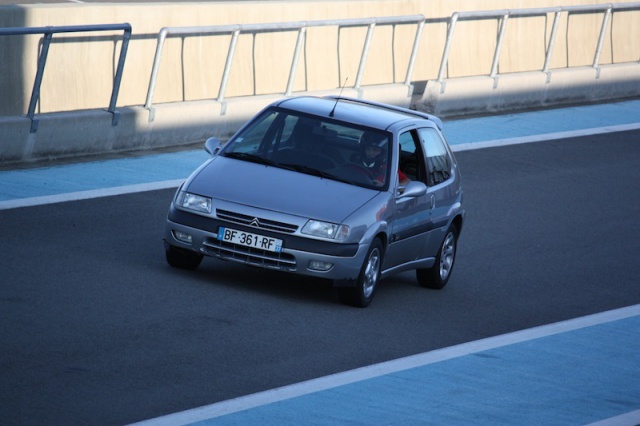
(433, 201)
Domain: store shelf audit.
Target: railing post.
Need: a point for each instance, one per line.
(447, 46)
(162, 35)
(227, 65)
(294, 62)
(496, 53)
(414, 53)
(35, 93)
(118, 77)
(605, 22)
(551, 45)
(363, 57)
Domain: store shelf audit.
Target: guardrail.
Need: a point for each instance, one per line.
(504, 15)
(301, 28)
(42, 60)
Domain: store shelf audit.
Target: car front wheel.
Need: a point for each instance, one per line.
(181, 258)
(362, 294)
(438, 275)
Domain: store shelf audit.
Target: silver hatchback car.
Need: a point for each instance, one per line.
(338, 188)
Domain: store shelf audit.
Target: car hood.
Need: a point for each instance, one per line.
(280, 190)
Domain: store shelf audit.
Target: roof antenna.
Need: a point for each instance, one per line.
(338, 98)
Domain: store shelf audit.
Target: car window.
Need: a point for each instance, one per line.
(438, 164)
(256, 135)
(311, 144)
(411, 158)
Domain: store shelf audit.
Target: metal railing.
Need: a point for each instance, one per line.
(42, 60)
(301, 28)
(503, 16)
(234, 31)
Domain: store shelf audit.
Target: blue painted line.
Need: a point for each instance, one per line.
(576, 372)
(97, 175)
(545, 122)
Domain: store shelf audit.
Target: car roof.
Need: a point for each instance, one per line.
(357, 111)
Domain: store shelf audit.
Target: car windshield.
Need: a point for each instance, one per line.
(315, 145)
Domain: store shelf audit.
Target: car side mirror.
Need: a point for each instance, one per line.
(213, 146)
(413, 189)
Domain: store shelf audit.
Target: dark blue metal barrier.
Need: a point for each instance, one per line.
(42, 60)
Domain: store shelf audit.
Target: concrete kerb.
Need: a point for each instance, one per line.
(518, 91)
(58, 135)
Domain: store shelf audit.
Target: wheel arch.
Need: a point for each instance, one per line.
(457, 222)
(384, 239)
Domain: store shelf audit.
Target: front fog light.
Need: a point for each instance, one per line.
(317, 265)
(183, 236)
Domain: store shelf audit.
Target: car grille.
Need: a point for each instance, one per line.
(249, 255)
(256, 222)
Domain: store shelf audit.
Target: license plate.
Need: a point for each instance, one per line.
(249, 239)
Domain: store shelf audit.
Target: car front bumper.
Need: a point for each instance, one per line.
(299, 255)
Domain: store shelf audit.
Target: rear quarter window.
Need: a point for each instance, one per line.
(438, 163)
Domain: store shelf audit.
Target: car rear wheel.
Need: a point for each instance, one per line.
(438, 275)
(181, 258)
(362, 294)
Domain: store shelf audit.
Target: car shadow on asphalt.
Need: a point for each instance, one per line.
(283, 285)
(261, 282)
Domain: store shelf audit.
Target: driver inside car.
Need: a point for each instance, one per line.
(373, 157)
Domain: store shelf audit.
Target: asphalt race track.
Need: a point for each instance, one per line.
(98, 329)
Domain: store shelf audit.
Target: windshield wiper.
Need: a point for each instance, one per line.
(306, 170)
(260, 160)
(251, 157)
(315, 172)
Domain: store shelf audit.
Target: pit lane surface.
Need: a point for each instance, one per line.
(97, 329)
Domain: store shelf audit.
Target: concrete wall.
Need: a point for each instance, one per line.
(79, 73)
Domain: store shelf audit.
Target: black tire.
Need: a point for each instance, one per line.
(438, 275)
(181, 258)
(362, 294)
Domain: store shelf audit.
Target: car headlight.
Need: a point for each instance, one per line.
(325, 230)
(194, 202)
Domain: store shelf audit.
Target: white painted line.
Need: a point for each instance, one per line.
(629, 419)
(85, 195)
(544, 137)
(328, 382)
